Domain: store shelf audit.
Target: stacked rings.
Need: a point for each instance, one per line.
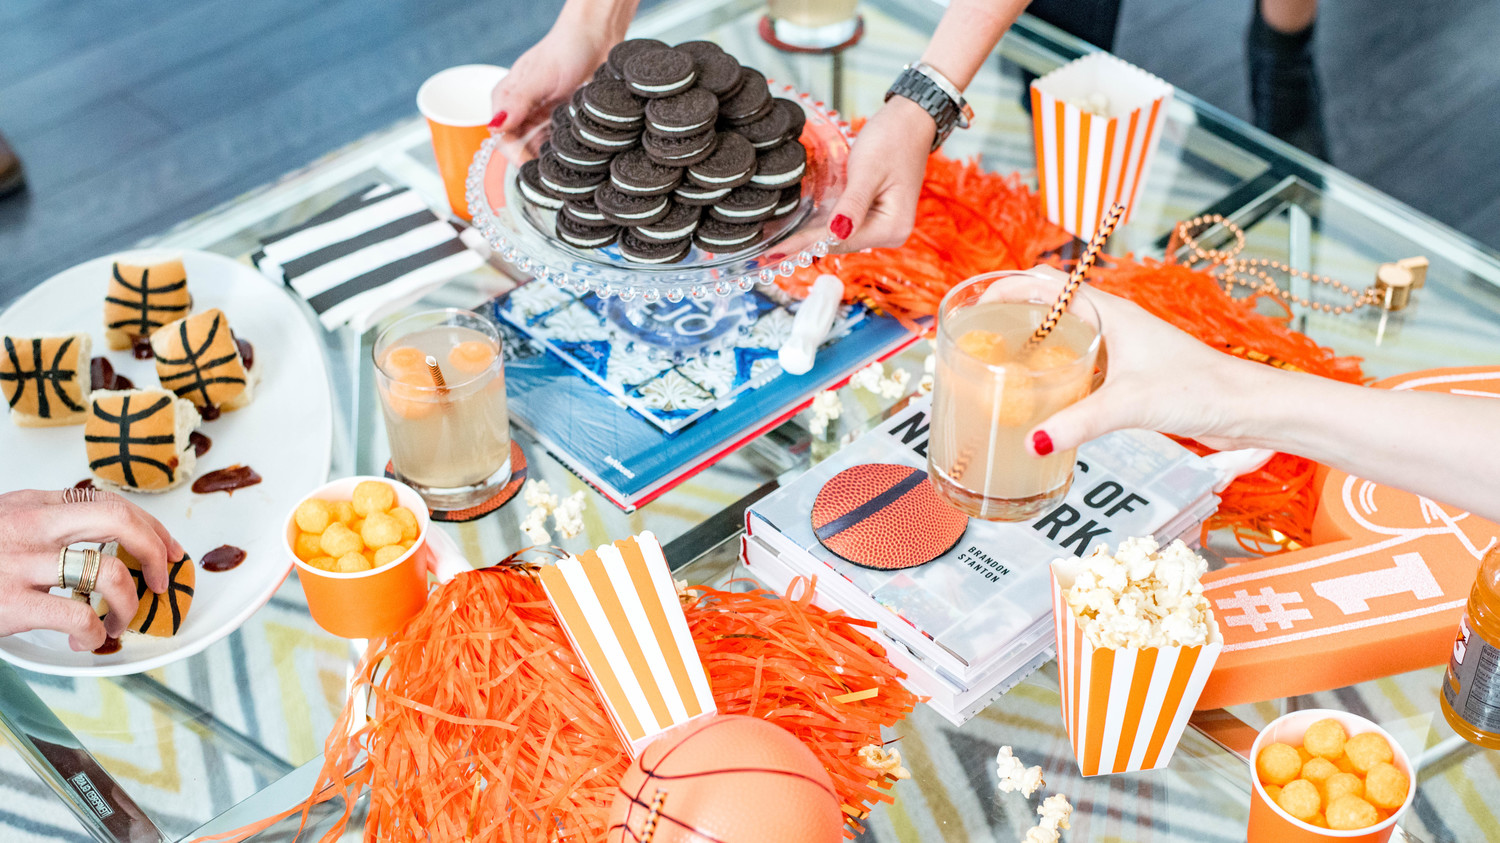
(78, 570)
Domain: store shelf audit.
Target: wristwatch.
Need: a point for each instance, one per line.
(926, 86)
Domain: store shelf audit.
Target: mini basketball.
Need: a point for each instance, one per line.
(726, 778)
(885, 516)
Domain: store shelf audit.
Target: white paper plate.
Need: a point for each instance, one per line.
(285, 435)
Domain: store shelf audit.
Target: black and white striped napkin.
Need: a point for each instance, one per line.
(366, 256)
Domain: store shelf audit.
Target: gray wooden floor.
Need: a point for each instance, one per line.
(132, 115)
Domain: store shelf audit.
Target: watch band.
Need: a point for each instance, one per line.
(924, 85)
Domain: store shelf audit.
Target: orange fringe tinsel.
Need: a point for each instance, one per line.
(488, 728)
(970, 221)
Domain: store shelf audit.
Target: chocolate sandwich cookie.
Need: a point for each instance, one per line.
(585, 236)
(790, 198)
(576, 154)
(688, 193)
(565, 181)
(679, 224)
(749, 102)
(625, 49)
(575, 104)
(687, 113)
(602, 72)
(716, 235)
(625, 209)
(610, 103)
(603, 138)
(781, 166)
(660, 73)
(769, 131)
(731, 164)
(641, 250)
(699, 49)
(746, 204)
(585, 212)
(562, 117)
(530, 182)
(795, 116)
(679, 150)
(634, 172)
(718, 73)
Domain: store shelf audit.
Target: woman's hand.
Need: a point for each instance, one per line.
(547, 74)
(36, 525)
(1158, 378)
(886, 167)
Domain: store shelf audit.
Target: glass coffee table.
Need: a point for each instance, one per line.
(234, 734)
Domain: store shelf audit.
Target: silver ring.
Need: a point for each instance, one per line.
(71, 567)
(73, 494)
(90, 576)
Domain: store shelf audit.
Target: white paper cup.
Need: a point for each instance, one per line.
(1086, 162)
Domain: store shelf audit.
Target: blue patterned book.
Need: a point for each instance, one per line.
(633, 421)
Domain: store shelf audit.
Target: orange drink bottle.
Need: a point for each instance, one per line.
(1471, 688)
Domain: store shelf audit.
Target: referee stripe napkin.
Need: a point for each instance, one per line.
(367, 255)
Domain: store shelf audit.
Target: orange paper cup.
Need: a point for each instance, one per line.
(1270, 824)
(375, 603)
(1124, 708)
(456, 103)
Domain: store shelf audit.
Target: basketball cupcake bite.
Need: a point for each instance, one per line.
(146, 291)
(46, 380)
(199, 359)
(137, 440)
(161, 615)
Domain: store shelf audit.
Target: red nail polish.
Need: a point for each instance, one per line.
(775, 256)
(498, 120)
(841, 226)
(1041, 443)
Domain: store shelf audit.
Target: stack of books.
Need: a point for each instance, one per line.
(969, 625)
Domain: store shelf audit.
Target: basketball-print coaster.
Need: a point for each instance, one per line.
(479, 510)
(885, 516)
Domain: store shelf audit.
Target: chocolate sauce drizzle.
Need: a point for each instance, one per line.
(225, 557)
(226, 480)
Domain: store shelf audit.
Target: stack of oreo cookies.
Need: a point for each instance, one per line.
(667, 148)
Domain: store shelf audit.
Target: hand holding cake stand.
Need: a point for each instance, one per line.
(682, 305)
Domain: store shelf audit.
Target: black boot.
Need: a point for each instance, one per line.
(12, 176)
(1284, 97)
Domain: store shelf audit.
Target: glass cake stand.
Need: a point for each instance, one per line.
(681, 306)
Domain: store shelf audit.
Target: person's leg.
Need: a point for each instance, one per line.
(1284, 97)
(12, 176)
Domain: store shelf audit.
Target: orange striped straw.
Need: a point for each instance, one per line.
(437, 378)
(1080, 271)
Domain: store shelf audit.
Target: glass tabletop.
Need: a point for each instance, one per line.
(235, 734)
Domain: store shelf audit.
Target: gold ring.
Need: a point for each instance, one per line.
(90, 577)
(72, 565)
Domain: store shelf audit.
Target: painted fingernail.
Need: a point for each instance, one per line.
(498, 120)
(775, 256)
(841, 226)
(1041, 443)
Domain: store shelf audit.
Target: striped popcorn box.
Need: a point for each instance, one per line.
(1097, 121)
(620, 609)
(1124, 708)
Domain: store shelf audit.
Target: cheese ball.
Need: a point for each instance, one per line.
(1272, 791)
(386, 555)
(1318, 770)
(1344, 764)
(343, 512)
(1350, 812)
(1325, 738)
(313, 515)
(410, 528)
(1386, 786)
(1303, 754)
(307, 546)
(1300, 798)
(373, 496)
(1277, 764)
(324, 563)
(380, 529)
(339, 540)
(353, 563)
(1342, 784)
(1367, 750)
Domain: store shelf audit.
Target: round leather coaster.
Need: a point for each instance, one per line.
(885, 516)
(479, 510)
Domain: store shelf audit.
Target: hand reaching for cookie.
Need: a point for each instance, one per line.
(35, 525)
(549, 72)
